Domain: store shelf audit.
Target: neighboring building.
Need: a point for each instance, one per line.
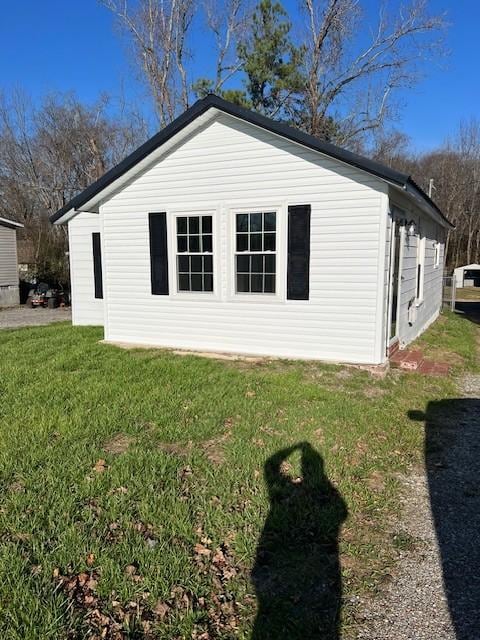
(231, 232)
(9, 292)
(467, 276)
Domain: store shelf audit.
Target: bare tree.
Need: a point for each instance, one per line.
(228, 21)
(159, 29)
(50, 153)
(349, 88)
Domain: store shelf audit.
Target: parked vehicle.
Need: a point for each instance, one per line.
(45, 296)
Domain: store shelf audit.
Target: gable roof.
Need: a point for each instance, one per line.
(11, 224)
(200, 107)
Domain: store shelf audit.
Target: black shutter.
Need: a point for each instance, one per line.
(298, 266)
(158, 253)
(97, 265)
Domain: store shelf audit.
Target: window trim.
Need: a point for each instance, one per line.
(420, 264)
(436, 254)
(172, 242)
(280, 252)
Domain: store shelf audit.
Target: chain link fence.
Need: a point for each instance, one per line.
(449, 293)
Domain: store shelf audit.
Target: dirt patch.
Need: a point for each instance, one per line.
(213, 449)
(118, 444)
(176, 448)
(376, 481)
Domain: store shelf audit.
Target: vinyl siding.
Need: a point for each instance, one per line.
(427, 311)
(86, 309)
(8, 257)
(228, 165)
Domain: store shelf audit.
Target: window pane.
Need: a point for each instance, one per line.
(193, 224)
(183, 282)
(208, 282)
(269, 264)
(256, 242)
(194, 244)
(269, 284)
(207, 243)
(181, 225)
(255, 222)
(257, 264)
(196, 281)
(196, 262)
(206, 224)
(208, 264)
(257, 283)
(243, 264)
(242, 222)
(183, 264)
(269, 242)
(243, 283)
(269, 221)
(242, 242)
(182, 244)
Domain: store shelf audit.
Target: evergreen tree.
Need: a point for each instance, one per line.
(271, 62)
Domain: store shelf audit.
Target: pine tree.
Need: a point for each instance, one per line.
(271, 62)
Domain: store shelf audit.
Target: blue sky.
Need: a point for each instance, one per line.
(58, 45)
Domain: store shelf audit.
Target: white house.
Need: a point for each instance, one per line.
(467, 276)
(231, 232)
(9, 292)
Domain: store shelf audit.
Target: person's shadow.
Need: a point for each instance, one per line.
(297, 575)
(452, 460)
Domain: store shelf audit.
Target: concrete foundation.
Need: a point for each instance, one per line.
(9, 295)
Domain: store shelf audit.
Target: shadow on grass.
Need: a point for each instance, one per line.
(452, 460)
(296, 574)
(469, 310)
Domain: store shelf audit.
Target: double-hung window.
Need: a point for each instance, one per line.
(256, 252)
(194, 253)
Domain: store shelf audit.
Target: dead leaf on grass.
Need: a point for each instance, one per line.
(130, 570)
(162, 609)
(90, 560)
(285, 468)
(202, 550)
(100, 466)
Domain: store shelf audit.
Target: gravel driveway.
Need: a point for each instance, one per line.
(434, 593)
(22, 316)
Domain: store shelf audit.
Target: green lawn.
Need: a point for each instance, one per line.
(149, 495)
(471, 294)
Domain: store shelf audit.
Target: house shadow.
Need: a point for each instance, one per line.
(452, 460)
(297, 575)
(469, 310)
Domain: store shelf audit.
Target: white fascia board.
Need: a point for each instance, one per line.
(71, 213)
(4, 222)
